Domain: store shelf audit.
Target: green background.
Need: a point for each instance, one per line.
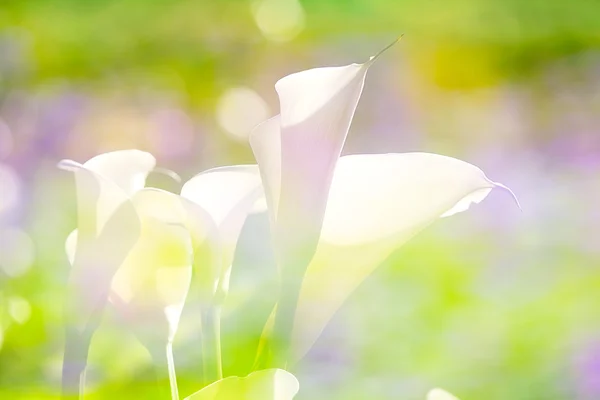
(491, 304)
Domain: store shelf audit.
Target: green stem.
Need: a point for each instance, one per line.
(172, 376)
(278, 349)
(211, 344)
(74, 364)
(82, 383)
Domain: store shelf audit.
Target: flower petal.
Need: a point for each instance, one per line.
(440, 394)
(153, 282)
(128, 169)
(105, 181)
(269, 384)
(376, 203)
(265, 141)
(297, 164)
(108, 228)
(228, 195)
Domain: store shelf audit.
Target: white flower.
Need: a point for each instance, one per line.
(336, 219)
(140, 247)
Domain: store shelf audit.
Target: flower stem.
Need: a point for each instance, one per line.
(74, 364)
(211, 344)
(82, 383)
(172, 376)
(279, 344)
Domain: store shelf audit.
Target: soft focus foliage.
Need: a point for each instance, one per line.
(492, 304)
(270, 384)
(440, 394)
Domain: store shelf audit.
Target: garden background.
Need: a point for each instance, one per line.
(491, 304)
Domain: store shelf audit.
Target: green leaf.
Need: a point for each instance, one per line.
(268, 384)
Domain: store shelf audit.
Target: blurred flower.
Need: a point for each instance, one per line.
(17, 252)
(172, 133)
(239, 110)
(11, 188)
(19, 309)
(108, 227)
(587, 364)
(279, 20)
(141, 244)
(270, 384)
(440, 394)
(228, 194)
(6, 140)
(150, 286)
(334, 223)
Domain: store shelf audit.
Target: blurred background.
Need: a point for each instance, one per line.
(491, 304)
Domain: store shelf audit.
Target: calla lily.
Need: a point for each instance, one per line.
(228, 194)
(440, 394)
(334, 222)
(149, 281)
(150, 287)
(377, 202)
(297, 152)
(108, 228)
(270, 384)
(104, 186)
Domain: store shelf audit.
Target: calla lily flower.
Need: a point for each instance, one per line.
(108, 228)
(297, 152)
(150, 287)
(335, 219)
(150, 274)
(270, 384)
(228, 194)
(440, 394)
(104, 185)
(377, 202)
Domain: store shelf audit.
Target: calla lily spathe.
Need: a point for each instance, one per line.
(298, 149)
(212, 208)
(144, 255)
(151, 284)
(297, 152)
(108, 228)
(150, 287)
(108, 225)
(228, 194)
(377, 202)
(334, 222)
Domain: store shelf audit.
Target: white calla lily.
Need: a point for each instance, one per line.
(333, 223)
(228, 194)
(297, 152)
(298, 149)
(150, 287)
(168, 237)
(108, 228)
(376, 203)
